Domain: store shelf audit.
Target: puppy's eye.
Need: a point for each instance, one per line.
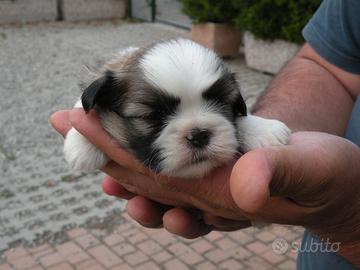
(155, 115)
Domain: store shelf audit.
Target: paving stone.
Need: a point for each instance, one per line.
(163, 237)
(288, 265)
(62, 266)
(23, 262)
(86, 264)
(87, 241)
(95, 267)
(15, 253)
(79, 257)
(136, 258)
(191, 258)
(130, 233)
(5, 266)
(113, 239)
(76, 232)
(201, 246)
(124, 266)
(257, 263)
(43, 253)
(178, 248)
(72, 252)
(175, 264)
(38, 249)
(266, 236)
(273, 258)
(230, 265)
(52, 259)
(123, 227)
(36, 267)
(148, 266)
(149, 247)
(206, 266)
(217, 255)
(68, 248)
(137, 238)
(161, 257)
(257, 247)
(105, 256)
(226, 244)
(123, 249)
(240, 253)
(213, 236)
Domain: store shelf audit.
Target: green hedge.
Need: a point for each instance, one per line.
(275, 19)
(217, 11)
(266, 19)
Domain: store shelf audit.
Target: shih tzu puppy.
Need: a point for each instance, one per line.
(175, 107)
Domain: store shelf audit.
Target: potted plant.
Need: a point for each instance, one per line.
(272, 30)
(213, 25)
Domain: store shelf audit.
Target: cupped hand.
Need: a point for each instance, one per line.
(187, 207)
(312, 181)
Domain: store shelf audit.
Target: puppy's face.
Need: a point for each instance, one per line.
(173, 105)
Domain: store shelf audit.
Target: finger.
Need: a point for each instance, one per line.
(266, 180)
(111, 187)
(180, 222)
(88, 124)
(225, 224)
(249, 182)
(60, 121)
(125, 175)
(146, 212)
(250, 186)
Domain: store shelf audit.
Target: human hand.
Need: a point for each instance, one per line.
(180, 193)
(313, 182)
(303, 183)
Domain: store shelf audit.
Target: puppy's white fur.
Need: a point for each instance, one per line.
(182, 68)
(80, 153)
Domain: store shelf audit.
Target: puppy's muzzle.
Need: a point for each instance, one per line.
(199, 138)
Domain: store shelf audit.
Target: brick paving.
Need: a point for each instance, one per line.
(130, 246)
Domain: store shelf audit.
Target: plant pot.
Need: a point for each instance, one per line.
(268, 56)
(225, 40)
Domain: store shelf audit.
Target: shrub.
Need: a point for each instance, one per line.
(217, 11)
(275, 19)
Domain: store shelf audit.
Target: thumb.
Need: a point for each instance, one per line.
(272, 172)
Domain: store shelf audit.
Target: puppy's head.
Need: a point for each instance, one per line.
(173, 105)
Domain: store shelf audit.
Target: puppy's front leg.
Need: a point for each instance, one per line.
(257, 132)
(80, 153)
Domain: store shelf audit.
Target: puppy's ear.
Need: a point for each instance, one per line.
(240, 105)
(102, 92)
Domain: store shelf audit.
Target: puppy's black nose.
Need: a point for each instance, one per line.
(199, 138)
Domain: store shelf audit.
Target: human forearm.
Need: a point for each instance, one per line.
(307, 96)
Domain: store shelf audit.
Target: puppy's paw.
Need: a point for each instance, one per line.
(256, 132)
(81, 154)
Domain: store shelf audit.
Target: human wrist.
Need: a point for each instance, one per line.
(306, 105)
